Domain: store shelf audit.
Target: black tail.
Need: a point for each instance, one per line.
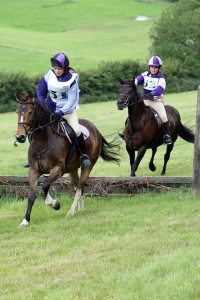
(110, 151)
(186, 134)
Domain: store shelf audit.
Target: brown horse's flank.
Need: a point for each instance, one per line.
(142, 131)
(49, 153)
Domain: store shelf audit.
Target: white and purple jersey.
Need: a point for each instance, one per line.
(59, 95)
(153, 84)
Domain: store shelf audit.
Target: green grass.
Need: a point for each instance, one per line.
(89, 32)
(139, 247)
(109, 120)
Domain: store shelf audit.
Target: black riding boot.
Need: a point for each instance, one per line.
(85, 161)
(167, 139)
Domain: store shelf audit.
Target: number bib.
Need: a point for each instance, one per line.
(150, 83)
(59, 90)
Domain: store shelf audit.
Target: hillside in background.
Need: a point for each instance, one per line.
(89, 32)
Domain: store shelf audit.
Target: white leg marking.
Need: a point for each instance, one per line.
(76, 199)
(50, 201)
(24, 223)
(81, 203)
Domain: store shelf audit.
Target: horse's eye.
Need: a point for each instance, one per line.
(30, 112)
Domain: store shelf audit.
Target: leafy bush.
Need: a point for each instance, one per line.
(101, 84)
(11, 82)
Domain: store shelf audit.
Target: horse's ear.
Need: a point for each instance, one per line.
(19, 96)
(121, 81)
(30, 95)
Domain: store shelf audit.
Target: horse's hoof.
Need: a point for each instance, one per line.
(57, 206)
(152, 168)
(24, 223)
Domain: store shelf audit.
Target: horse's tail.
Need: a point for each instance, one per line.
(110, 151)
(186, 134)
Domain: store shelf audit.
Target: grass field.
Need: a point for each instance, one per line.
(88, 31)
(139, 247)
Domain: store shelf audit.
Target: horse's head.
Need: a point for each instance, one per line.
(127, 91)
(25, 113)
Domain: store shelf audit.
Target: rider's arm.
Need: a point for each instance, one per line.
(42, 90)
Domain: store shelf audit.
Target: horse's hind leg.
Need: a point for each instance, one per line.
(166, 157)
(78, 198)
(152, 167)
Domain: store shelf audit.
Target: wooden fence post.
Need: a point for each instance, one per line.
(196, 161)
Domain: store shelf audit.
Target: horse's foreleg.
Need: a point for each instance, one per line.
(134, 167)
(33, 179)
(152, 167)
(55, 174)
(131, 154)
(166, 157)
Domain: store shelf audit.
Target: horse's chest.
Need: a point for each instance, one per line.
(133, 141)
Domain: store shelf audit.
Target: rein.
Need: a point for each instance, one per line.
(127, 102)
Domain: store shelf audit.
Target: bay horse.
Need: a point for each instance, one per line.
(143, 130)
(51, 152)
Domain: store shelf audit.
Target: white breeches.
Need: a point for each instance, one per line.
(72, 119)
(159, 107)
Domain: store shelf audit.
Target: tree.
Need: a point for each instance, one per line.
(176, 37)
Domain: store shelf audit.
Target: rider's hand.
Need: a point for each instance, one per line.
(55, 117)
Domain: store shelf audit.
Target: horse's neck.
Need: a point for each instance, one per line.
(136, 111)
(43, 137)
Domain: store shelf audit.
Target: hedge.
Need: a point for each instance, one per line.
(101, 84)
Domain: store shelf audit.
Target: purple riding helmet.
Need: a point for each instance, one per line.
(155, 61)
(60, 60)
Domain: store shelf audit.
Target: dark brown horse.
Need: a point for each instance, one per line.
(52, 153)
(143, 130)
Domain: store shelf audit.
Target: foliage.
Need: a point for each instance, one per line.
(103, 83)
(99, 84)
(176, 38)
(9, 83)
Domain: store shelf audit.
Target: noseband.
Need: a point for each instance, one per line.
(127, 102)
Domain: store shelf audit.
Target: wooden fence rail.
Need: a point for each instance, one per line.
(101, 186)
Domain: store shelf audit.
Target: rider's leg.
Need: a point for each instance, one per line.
(72, 119)
(159, 107)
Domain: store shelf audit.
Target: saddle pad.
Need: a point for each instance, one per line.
(83, 129)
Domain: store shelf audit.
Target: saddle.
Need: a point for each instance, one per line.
(156, 115)
(69, 132)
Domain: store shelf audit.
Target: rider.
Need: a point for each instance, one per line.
(154, 85)
(58, 89)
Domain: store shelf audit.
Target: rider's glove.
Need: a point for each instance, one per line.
(55, 117)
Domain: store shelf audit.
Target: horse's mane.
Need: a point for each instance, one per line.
(41, 113)
(131, 83)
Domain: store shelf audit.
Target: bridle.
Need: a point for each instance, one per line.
(127, 102)
(31, 129)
